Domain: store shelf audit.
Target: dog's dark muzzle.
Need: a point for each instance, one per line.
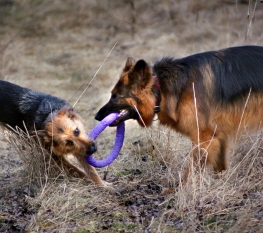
(124, 114)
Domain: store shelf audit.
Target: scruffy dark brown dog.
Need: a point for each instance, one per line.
(209, 97)
(59, 127)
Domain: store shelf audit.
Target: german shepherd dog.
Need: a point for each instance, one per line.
(209, 97)
(58, 126)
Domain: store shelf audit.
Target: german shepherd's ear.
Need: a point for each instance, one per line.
(141, 74)
(129, 63)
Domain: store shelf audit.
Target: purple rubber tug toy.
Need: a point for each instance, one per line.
(95, 132)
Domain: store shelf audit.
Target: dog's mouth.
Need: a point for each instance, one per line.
(125, 114)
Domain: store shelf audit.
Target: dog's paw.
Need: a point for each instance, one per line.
(108, 185)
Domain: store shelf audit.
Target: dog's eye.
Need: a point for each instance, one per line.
(76, 132)
(69, 143)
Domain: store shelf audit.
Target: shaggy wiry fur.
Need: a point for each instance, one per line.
(59, 127)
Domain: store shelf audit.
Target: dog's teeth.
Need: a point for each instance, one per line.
(121, 112)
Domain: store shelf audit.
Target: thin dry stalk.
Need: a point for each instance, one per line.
(151, 137)
(241, 118)
(250, 18)
(94, 75)
(204, 152)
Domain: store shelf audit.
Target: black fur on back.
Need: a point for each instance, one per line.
(234, 71)
(19, 104)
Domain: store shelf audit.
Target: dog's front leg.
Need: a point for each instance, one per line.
(88, 171)
(209, 149)
(91, 173)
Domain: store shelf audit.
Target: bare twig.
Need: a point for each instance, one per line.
(94, 75)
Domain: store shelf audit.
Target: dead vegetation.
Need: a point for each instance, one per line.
(55, 47)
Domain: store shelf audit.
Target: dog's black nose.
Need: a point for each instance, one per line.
(98, 117)
(92, 149)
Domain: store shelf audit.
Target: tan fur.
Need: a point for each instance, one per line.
(216, 127)
(59, 137)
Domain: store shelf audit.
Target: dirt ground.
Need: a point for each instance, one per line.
(56, 47)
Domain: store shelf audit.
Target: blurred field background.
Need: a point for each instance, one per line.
(56, 47)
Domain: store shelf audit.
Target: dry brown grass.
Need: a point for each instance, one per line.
(39, 165)
(55, 46)
(231, 202)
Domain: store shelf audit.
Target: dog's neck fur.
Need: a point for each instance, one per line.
(157, 94)
(43, 105)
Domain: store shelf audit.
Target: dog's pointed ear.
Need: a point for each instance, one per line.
(71, 113)
(141, 74)
(129, 63)
(140, 66)
(67, 111)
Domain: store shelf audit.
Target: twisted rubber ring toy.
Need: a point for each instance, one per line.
(96, 131)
